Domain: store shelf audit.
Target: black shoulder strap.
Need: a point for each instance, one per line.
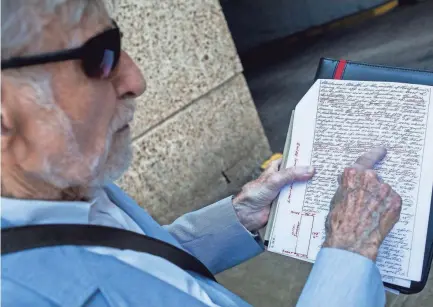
(16, 239)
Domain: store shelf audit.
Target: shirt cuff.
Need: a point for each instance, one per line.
(215, 235)
(343, 278)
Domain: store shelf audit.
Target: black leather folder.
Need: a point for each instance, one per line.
(348, 70)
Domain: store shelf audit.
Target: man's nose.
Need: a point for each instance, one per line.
(128, 81)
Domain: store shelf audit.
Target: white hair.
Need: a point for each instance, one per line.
(22, 21)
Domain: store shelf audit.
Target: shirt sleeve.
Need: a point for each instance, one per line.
(342, 278)
(215, 236)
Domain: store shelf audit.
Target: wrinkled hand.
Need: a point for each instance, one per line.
(253, 203)
(363, 210)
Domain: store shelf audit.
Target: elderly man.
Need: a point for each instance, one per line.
(67, 98)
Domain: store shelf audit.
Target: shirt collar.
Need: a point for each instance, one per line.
(20, 212)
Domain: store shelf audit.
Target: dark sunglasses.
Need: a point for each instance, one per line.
(99, 55)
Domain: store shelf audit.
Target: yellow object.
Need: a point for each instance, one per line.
(385, 8)
(274, 157)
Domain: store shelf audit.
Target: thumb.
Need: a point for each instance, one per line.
(286, 176)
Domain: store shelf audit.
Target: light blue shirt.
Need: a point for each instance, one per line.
(96, 276)
(101, 211)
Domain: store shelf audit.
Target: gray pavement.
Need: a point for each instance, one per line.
(404, 37)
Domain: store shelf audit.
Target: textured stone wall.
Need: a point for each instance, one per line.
(197, 135)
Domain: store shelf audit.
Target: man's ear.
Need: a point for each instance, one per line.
(12, 144)
(6, 116)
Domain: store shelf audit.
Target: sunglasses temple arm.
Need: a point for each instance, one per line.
(71, 54)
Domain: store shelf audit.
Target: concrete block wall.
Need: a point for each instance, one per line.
(197, 135)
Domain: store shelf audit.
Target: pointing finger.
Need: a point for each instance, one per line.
(370, 158)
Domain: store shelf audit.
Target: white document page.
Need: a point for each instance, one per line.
(397, 281)
(334, 123)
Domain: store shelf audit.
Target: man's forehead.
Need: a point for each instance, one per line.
(73, 36)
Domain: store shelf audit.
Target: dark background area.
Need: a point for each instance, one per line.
(279, 73)
(255, 22)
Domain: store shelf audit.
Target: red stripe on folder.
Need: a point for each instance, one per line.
(339, 71)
